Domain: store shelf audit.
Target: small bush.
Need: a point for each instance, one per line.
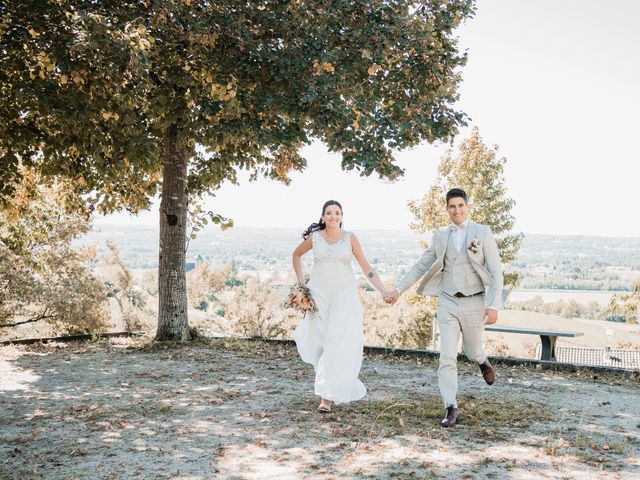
(43, 280)
(255, 310)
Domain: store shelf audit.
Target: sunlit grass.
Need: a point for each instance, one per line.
(489, 417)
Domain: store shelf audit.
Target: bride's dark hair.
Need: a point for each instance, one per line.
(314, 227)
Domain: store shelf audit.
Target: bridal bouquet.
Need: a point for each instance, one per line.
(300, 299)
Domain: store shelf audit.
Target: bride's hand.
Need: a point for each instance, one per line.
(391, 296)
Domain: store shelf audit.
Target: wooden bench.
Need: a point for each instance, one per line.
(548, 338)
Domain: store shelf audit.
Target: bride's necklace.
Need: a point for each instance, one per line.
(331, 238)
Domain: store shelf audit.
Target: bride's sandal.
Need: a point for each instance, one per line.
(324, 408)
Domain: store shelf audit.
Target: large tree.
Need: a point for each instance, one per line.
(477, 169)
(128, 98)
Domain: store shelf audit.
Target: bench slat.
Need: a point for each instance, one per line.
(530, 331)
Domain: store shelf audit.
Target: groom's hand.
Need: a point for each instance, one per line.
(490, 316)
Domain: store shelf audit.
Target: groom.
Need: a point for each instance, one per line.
(462, 268)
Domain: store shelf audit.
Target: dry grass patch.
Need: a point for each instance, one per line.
(228, 344)
(599, 449)
(593, 448)
(489, 418)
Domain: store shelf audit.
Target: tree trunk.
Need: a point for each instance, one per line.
(173, 323)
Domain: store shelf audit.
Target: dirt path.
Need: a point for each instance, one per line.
(244, 410)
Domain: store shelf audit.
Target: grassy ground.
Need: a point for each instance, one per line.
(245, 410)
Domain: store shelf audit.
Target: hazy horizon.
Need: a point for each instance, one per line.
(132, 224)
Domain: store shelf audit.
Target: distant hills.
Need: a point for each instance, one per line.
(546, 261)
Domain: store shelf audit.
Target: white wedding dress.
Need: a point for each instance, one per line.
(331, 338)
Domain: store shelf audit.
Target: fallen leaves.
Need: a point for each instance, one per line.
(249, 396)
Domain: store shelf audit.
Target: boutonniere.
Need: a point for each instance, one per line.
(474, 247)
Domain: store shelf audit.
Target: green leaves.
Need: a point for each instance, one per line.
(92, 84)
(198, 219)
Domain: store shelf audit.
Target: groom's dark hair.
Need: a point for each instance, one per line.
(456, 192)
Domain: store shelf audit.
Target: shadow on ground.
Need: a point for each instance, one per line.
(245, 410)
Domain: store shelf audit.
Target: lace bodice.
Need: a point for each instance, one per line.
(325, 252)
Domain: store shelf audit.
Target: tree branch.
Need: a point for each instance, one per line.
(31, 320)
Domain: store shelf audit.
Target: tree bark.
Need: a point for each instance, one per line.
(173, 321)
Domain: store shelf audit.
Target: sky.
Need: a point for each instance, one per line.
(555, 84)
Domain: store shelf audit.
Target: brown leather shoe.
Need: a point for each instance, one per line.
(487, 372)
(451, 418)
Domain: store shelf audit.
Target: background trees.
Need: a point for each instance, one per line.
(41, 276)
(117, 97)
(477, 170)
(626, 306)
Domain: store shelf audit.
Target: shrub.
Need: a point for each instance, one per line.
(133, 301)
(255, 310)
(203, 284)
(42, 278)
(410, 321)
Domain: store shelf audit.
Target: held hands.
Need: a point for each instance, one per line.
(391, 296)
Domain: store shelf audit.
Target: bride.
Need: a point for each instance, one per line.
(331, 338)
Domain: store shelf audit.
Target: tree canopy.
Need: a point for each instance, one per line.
(88, 88)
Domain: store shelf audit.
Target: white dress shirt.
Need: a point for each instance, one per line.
(459, 234)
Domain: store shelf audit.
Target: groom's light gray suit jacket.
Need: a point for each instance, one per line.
(484, 258)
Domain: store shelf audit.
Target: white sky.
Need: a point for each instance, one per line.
(556, 84)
